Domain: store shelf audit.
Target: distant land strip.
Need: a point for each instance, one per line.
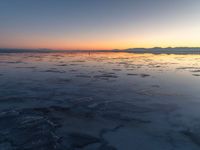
(155, 50)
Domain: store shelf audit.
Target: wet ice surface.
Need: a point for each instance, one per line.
(99, 101)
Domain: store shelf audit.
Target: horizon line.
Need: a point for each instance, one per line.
(169, 47)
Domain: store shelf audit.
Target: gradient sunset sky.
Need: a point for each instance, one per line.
(99, 24)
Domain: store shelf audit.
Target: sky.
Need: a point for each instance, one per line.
(99, 24)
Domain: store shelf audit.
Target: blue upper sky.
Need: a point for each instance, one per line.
(99, 24)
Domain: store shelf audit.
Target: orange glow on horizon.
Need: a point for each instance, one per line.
(175, 37)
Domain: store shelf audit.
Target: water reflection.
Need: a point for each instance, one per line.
(110, 95)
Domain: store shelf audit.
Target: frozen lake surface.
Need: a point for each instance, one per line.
(99, 101)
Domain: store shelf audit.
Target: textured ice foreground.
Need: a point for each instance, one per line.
(99, 101)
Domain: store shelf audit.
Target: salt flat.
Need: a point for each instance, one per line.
(99, 101)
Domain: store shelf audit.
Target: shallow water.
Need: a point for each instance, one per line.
(92, 101)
